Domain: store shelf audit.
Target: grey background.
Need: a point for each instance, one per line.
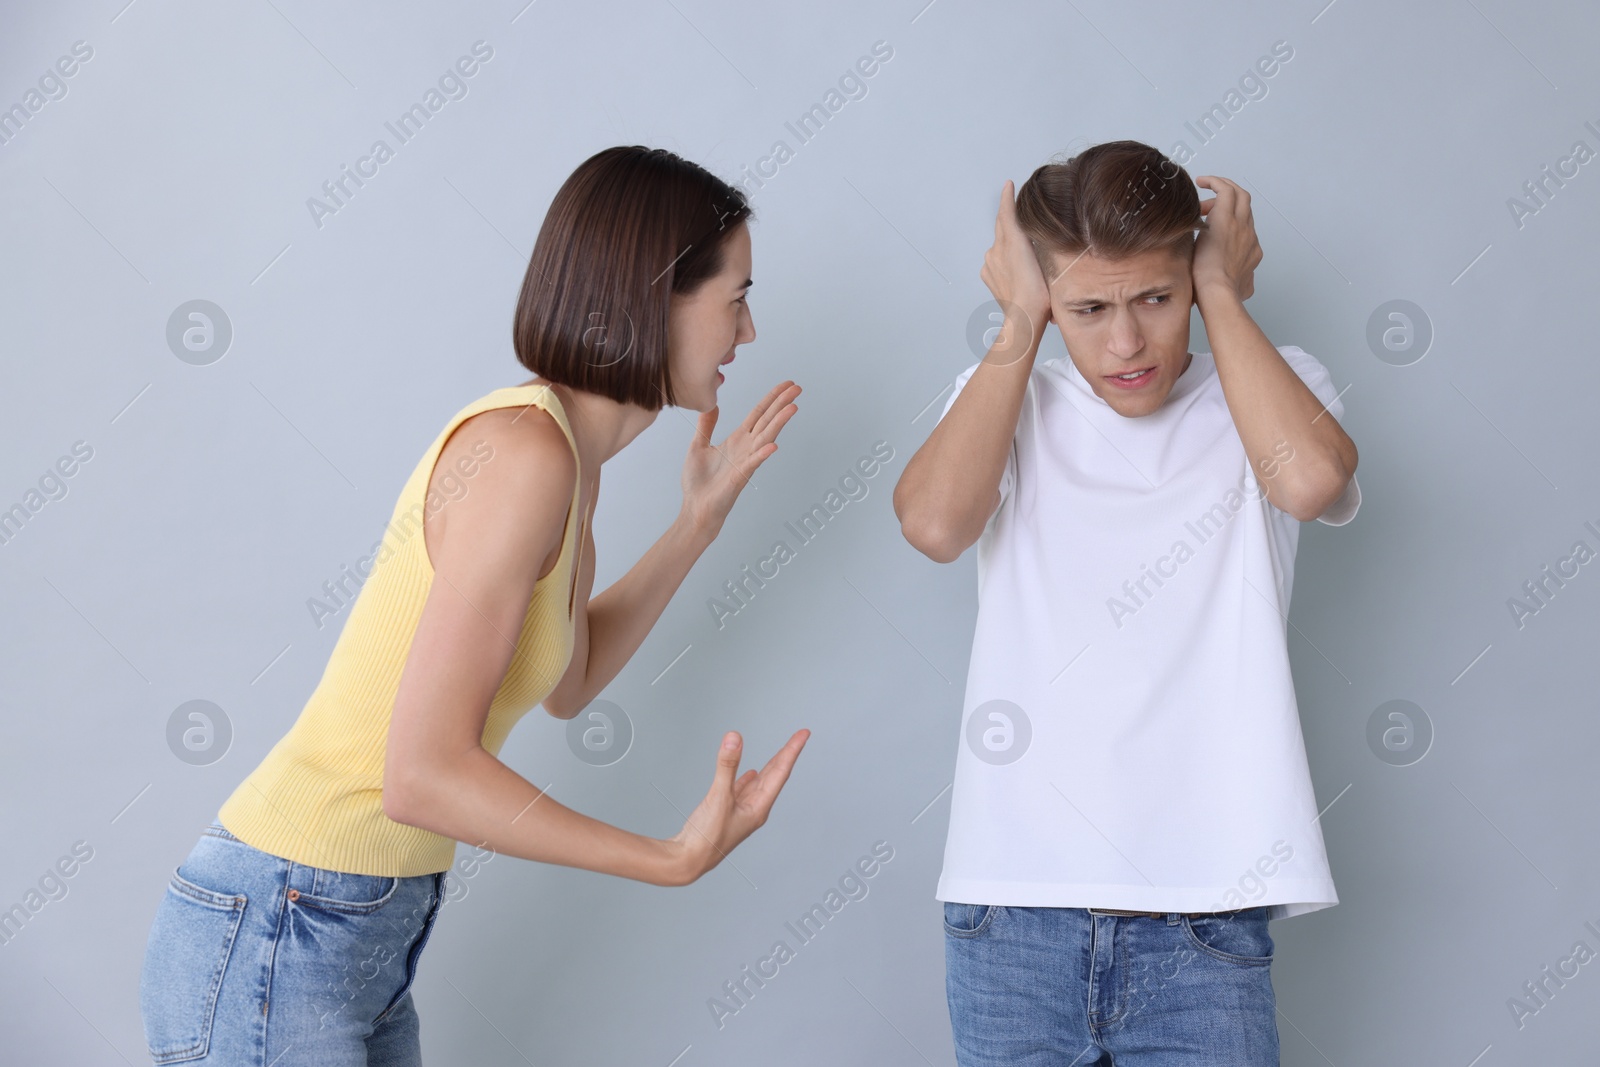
(220, 497)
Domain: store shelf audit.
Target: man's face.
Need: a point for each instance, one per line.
(1124, 316)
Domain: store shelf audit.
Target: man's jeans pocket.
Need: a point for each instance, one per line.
(967, 920)
(1233, 937)
(190, 943)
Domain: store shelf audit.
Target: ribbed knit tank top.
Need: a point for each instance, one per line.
(317, 797)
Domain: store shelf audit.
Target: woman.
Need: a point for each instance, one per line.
(290, 935)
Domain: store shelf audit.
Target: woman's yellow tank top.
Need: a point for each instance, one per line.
(317, 797)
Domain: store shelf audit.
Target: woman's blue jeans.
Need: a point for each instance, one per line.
(1075, 987)
(254, 959)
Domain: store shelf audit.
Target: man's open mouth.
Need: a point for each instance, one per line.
(1132, 379)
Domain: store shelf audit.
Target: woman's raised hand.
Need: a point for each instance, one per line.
(713, 475)
(734, 808)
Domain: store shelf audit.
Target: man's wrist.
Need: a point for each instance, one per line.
(1216, 294)
(1018, 339)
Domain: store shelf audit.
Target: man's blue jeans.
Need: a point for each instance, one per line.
(1075, 987)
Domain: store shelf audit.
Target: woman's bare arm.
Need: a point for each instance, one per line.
(489, 546)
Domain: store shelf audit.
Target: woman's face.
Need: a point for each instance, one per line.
(703, 328)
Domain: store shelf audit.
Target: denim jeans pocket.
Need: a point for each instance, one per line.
(967, 920)
(190, 943)
(348, 894)
(1234, 937)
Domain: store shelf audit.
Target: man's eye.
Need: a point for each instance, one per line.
(1088, 311)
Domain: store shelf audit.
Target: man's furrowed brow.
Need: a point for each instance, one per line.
(1090, 301)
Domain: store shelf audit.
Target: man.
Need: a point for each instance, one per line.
(1132, 802)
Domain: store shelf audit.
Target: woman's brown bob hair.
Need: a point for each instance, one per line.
(1113, 200)
(631, 228)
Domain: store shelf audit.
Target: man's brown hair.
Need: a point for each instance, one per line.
(1114, 200)
(631, 228)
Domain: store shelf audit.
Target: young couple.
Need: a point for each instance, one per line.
(1131, 800)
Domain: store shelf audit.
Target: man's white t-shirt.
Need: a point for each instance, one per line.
(1130, 737)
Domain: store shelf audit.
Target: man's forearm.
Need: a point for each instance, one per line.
(1298, 450)
(946, 493)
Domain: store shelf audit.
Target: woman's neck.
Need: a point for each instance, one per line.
(602, 427)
